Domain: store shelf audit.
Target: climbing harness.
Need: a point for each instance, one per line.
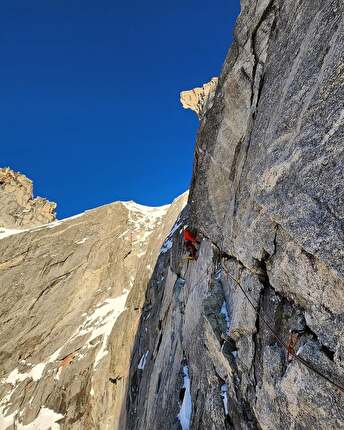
(190, 244)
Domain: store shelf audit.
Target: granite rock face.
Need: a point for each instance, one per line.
(106, 324)
(18, 208)
(199, 99)
(71, 294)
(267, 200)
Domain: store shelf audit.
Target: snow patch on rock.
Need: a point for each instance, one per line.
(143, 360)
(224, 312)
(184, 415)
(224, 396)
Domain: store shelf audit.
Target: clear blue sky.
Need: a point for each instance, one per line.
(89, 105)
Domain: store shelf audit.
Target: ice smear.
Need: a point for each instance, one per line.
(224, 391)
(143, 360)
(166, 246)
(218, 274)
(184, 415)
(168, 241)
(300, 350)
(225, 314)
(175, 227)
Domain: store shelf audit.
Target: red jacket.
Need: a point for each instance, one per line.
(188, 236)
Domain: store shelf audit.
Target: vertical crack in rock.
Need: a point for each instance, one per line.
(247, 336)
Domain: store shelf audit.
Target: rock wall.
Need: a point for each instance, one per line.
(71, 294)
(250, 335)
(266, 197)
(199, 99)
(18, 207)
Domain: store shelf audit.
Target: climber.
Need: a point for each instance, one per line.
(191, 242)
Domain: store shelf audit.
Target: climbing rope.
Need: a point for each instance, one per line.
(291, 352)
(269, 326)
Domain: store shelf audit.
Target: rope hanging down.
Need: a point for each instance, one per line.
(297, 357)
(269, 326)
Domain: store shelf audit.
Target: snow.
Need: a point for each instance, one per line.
(57, 374)
(123, 234)
(45, 420)
(101, 322)
(218, 274)
(5, 232)
(58, 222)
(166, 246)
(143, 360)
(224, 312)
(184, 415)
(35, 373)
(155, 211)
(151, 214)
(175, 228)
(168, 241)
(300, 350)
(224, 391)
(80, 242)
(142, 221)
(6, 421)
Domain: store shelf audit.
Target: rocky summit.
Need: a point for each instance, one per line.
(18, 207)
(106, 323)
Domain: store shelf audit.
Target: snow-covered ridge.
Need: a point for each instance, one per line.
(155, 211)
(143, 220)
(5, 232)
(149, 212)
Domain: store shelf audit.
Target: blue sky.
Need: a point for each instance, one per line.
(89, 105)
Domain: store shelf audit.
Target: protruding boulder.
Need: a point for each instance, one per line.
(199, 99)
(18, 208)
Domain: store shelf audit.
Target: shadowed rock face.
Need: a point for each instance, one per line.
(71, 294)
(267, 195)
(18, 208)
